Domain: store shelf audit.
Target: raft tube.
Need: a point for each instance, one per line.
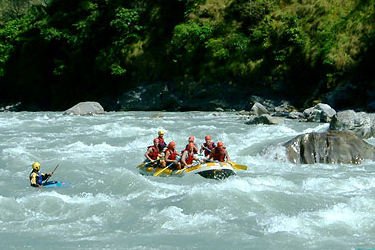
(210, 170)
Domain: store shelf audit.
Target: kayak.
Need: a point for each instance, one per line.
(210, 170)
(53, 184)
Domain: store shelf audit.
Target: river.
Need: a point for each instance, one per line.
(109, 205)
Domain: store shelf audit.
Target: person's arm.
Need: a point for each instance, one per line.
(196, 149)
(183, 158)
(45, 176)
(211, 155)
(227, 156)
(147, 154)
(202, 149)
(195, 158)
(167, 160)
(33, 180)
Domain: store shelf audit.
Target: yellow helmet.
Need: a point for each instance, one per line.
(161, 132)
(36, 166)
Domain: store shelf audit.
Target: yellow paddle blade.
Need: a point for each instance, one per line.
(160, 171)
(237, 166)
(139, 166)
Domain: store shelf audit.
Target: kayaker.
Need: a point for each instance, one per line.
(36, 177)
(188, 155)
(219, 153)
(171, 156)
(208, 146)
(191, 140)
(162, 145)
(153, 154)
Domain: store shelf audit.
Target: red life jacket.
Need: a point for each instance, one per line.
(190, 157)
(210, 146)
(154, 153)
(172, 154)
(219, 155)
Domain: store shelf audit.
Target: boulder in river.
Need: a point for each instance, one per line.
(329, 147)
(359, 123)
(85, 108)
(319, 113)
(265, 119)
(258, 109)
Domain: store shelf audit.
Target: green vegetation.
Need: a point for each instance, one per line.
(58, 52)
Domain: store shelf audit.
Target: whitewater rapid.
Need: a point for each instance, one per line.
(272, 205)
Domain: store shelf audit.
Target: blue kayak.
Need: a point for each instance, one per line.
(53, 184)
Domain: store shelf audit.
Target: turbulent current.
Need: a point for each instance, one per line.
(109, 205)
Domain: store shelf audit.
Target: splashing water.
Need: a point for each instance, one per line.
(272, 205)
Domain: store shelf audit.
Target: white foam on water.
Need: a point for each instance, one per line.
(338, 186)
(358, 214)
(119, 130)
(355, 216)
(20, 153)
(320, 128)
(174, 219)
(79, 150)
(274, 202)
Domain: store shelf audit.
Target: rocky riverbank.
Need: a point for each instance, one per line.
(343, 142)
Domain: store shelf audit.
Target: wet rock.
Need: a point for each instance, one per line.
(264, 119)
(258, 109)
(359, 123)
(268, 104)
(296, 115)
(319, 113)
(284, 109)
(85, 108)
(10, 107)
(329, 147)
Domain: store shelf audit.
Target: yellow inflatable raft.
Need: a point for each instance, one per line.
(211, 170)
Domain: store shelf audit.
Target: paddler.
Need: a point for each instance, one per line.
(171, 156)
(153, 154)
(162, 145)
(219, 153)
(36, 177)
(188, 155)
(191, 140)
(208, 146)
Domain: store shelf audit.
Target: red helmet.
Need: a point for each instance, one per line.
(190, 145)
(171, 144)
(207, 137)
(220, 144)
(191, 138)
(156, 140)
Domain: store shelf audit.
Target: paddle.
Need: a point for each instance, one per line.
(149, 162)
(162, 170)
(237, 166)
(190, 166)
(233, 164)
(51, 173)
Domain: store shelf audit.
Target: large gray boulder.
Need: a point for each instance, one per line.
(359, 123)
(264, 119)
(284, 109)
(319, 113)
(85, 108)
(258, 109)
(328, 147)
